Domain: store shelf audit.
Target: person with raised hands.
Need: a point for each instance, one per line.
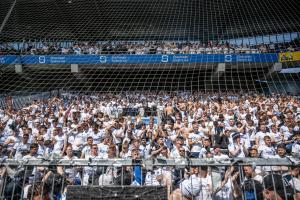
(237, 148)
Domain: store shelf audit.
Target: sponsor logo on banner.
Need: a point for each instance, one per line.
(144, 59)
(244, 58)
(119, 59)
(42, 59)
(164, 58)
(289, 56)
(180, 58)
(228, 58)
(103, 59)
(58, 59)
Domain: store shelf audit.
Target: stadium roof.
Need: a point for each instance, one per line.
(146, 19)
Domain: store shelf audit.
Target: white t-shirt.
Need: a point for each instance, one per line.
(266, 152)
(118, 134)
(203, 151)
(226, 191)
(14, 140)
(58, 146)
(221, 157)
(103, 148)
(78, 141)
(191, 187)
(86, 151)
(296, 148)
(42, 151)
(29, 157)
(145, 150)
(197, 146)
(89, 170)
(150, 179)
(233, 147)
(97, 137)
(205, 192)
(245, 138)
(175, 153)
(260, 136)
(71, 172)
(137, 133)
(19, 148)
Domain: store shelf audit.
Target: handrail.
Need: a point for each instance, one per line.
(289, 161)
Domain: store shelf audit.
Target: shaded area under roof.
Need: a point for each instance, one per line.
(147, 19)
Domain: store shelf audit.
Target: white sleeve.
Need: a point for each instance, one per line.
(15, 146)
(260, 151)
(202, 153)
(296, 149)
(230, 148)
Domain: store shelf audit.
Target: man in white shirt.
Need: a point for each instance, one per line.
(195, 143)
(86, 151)
(153, 177)
(231, 126)
(237, 149)
(103, 146)
(60, 141)
(267, 150)
(32, 152)
(250, 173)
(160, 110)
(88, 171)
(96, 134)
(207, 148)
(175, 152)
(21, 147)
(145, 148)
(42, 147)
(117, 133)
(259, 136)
(77, 139)
(218, 155)
(189, 188)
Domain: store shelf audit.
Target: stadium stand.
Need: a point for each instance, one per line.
(149, 99)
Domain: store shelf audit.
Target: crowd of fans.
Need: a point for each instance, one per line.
(141, 48)
(219, 126)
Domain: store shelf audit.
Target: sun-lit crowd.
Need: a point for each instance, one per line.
(142, 48)
(145, 125)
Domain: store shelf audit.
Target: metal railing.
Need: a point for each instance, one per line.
(163, 179)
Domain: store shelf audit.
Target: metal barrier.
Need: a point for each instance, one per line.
(160, 178)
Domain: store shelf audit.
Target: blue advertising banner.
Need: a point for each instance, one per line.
(138, 59)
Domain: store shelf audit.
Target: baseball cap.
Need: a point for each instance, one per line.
(275, 182)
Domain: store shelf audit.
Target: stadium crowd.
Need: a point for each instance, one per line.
(141, 48)
(218, 126)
